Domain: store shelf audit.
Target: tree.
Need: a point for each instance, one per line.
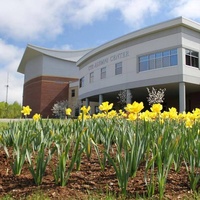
(155, 96)
(59, 108)
(123, 96)
(10, 110)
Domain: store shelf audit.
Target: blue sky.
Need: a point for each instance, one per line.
(74, 24)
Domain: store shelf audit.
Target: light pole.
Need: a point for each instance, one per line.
(7, 86)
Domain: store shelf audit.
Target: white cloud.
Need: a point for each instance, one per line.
(87, 11)
(133, 12)
(10, 57)
(27, 19)
(8, 52)
(189, 9)
(31, 19)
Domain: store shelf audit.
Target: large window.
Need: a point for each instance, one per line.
(192, 58)
(91, 77)
(118, 68)
(81, 83)
(103, 72)
(158, 60)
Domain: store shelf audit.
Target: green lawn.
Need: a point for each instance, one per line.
(3, 125)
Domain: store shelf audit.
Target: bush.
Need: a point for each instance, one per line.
(59, 109)
(10, 110)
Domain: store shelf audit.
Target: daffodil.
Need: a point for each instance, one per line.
(83, 116)
(182, 116)
(153, 116)
(165, 115)
(122, 114)
(36, 117)
(157, 107)
(189, 123)
(112, 114)
(85, 109)
(99, 115)
(196, 112)
(132, 116)
(105, 106)
(68, 111)
(26, 110)
(135, 107)
(173, 114)
(145, 115)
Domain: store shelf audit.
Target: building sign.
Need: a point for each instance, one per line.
(106, 60)
(119, 56)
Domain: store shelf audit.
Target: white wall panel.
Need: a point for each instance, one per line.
(58, 67)
(33, 68)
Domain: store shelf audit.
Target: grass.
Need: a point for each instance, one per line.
(3, 125)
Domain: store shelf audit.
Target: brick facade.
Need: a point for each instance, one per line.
(43, 92)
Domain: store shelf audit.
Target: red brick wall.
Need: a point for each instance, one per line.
(43, 92)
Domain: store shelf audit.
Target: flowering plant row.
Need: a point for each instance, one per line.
(132, 112)
(161, 140)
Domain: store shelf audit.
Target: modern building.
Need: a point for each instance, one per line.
(164, 55)
(47, 76)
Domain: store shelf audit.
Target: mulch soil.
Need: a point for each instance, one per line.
(90, 181)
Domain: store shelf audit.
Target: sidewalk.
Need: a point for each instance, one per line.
(12, 120)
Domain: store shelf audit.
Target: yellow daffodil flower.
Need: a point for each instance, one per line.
(157, 107)
(26, 110)
(145, 116)
(36, 117)
(68, 111)
(189, 123)
(173, 113)
(105, 106)
(122, 114)
(83, 116)
(112, 114)
(132, 116)
(135, 107)
(85, 109)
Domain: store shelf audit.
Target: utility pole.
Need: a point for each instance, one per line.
(7, 86)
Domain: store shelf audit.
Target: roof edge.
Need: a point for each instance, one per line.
(141, 32)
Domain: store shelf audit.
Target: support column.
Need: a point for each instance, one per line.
(100, 99)
(128, 96)
(182, 97)
(87, 102)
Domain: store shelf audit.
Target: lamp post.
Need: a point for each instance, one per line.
(7, 86)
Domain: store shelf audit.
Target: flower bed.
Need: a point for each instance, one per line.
(128, 152)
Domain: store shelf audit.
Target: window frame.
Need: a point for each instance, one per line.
(161, 59)
(73, 93)
(91, 77)
(103, 72)
(191, 59)
(81, 83)
(118, 68)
